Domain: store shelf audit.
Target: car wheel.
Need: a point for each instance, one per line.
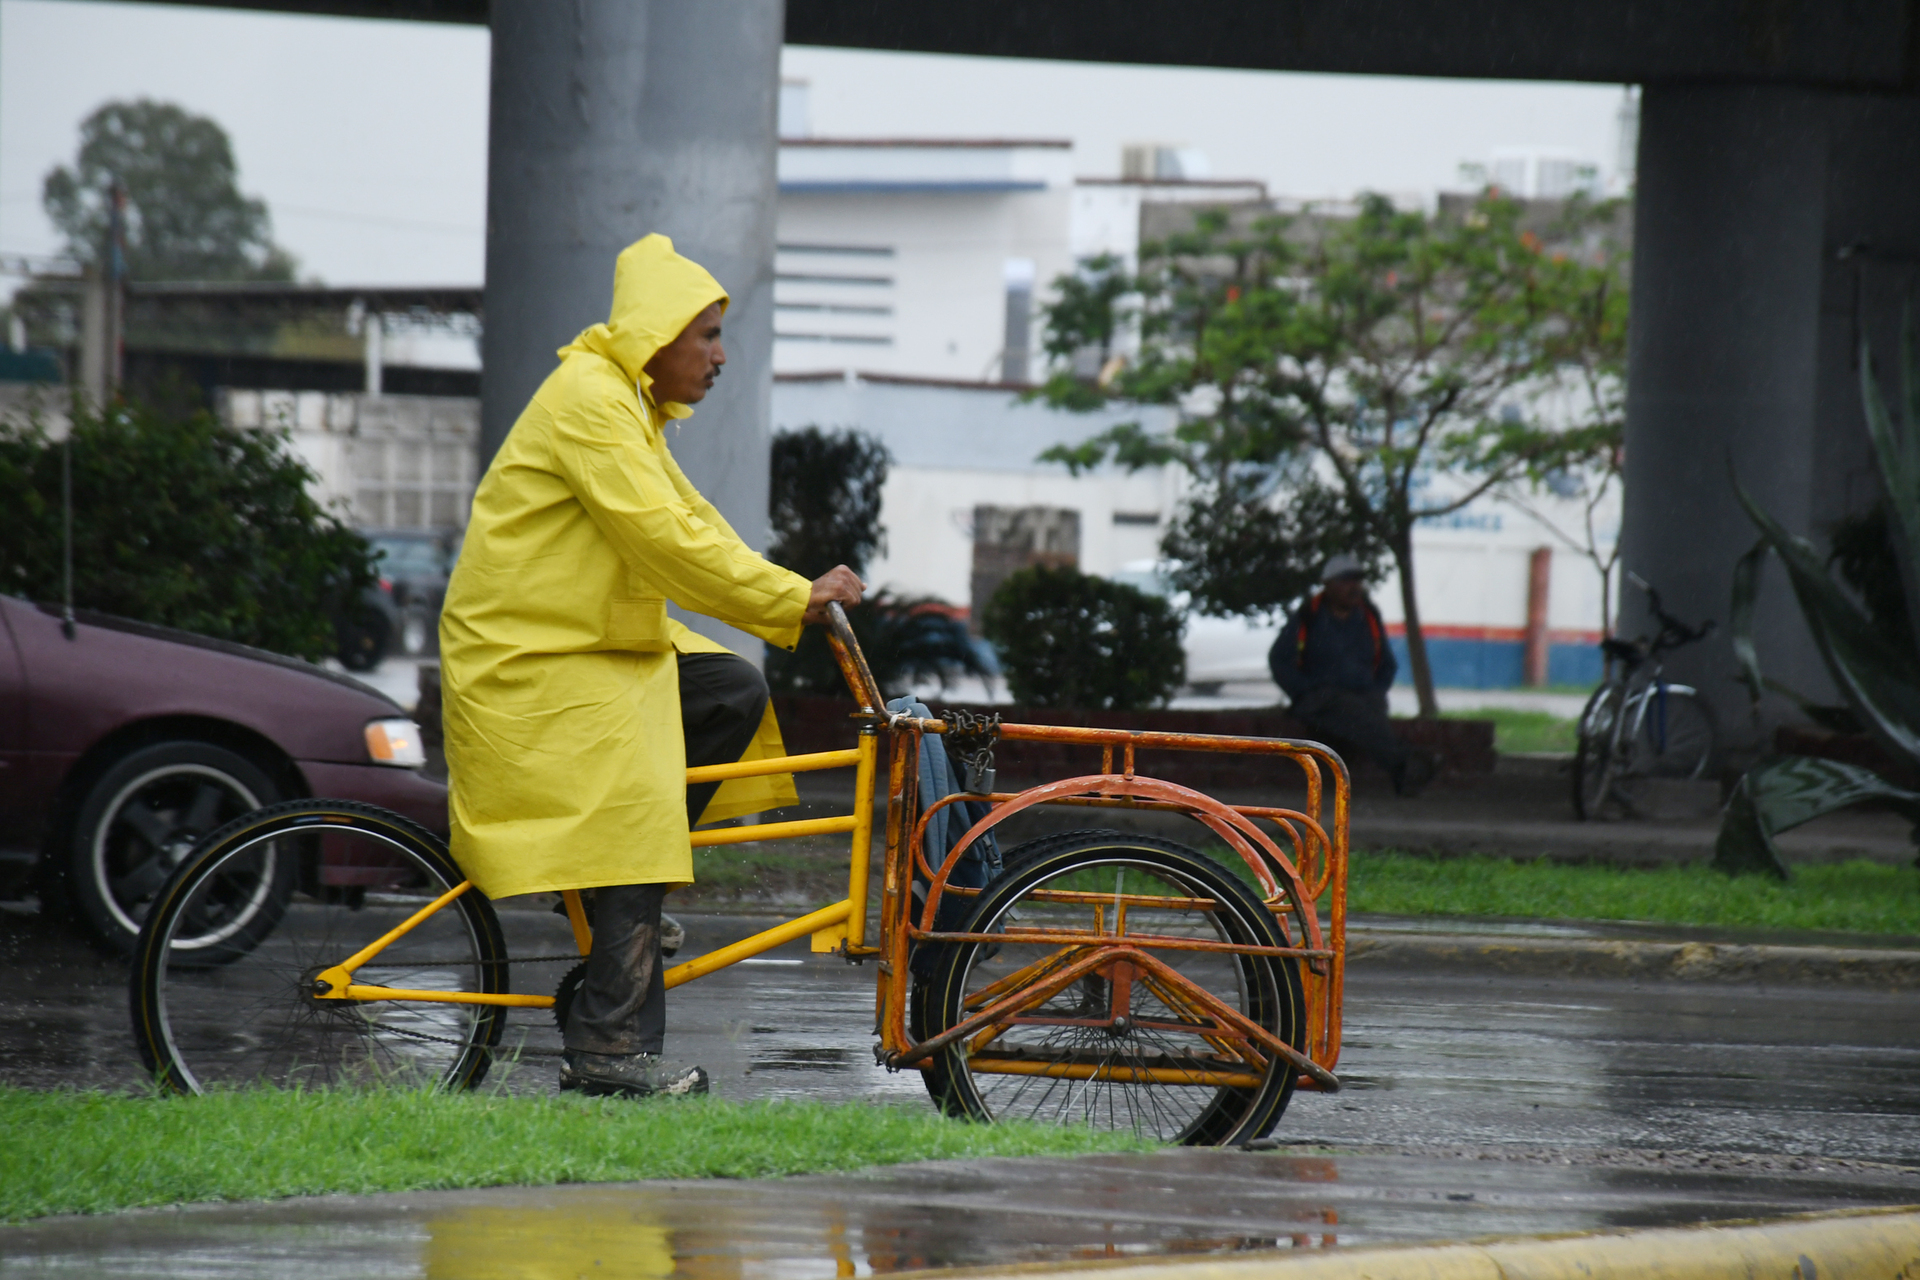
(363, 639)
(143, 816)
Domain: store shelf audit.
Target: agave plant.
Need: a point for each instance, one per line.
(1878, 674)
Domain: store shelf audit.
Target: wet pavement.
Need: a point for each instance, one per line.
(1476, 1104)
(957, 1213)
(1433, 1059)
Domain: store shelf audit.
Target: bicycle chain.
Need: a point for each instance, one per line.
(969, 738)
(468, 1044)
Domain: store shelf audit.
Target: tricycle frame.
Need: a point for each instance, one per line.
(1291, 882)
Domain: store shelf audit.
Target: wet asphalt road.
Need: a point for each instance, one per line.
(1432, 1060)
(1474, 1105)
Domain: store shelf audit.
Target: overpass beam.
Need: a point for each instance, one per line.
(1746, 311)
(611, 119)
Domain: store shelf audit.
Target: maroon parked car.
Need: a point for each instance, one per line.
(123, 743)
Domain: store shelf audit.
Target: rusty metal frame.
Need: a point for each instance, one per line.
(1293, 884)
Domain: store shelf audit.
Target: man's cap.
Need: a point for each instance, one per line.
(1343, 566)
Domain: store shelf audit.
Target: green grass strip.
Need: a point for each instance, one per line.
(1517, 730)
(76, 1152)
(1859, 896)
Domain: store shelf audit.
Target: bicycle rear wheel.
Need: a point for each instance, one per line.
(246, 1011)
(1593, 757)
(1125, 1046)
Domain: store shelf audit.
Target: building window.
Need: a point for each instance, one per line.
(827, 295)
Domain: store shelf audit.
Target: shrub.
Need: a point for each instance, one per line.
(823, 502)
(1068, 639)
(183, 522)
(906, 640)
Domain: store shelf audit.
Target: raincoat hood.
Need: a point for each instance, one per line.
(656, 294)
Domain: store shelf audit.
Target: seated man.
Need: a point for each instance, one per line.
(1333, 662)
(573, 702)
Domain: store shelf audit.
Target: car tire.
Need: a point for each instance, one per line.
(363, 637)
(142, 816)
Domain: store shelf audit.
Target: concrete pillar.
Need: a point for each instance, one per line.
(612, 119)
(1743, 324)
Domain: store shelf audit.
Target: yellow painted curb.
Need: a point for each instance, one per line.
(1872, 1244)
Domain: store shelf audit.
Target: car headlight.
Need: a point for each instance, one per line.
(395, 742)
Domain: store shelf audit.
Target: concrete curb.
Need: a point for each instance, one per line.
(1634, 958)
(1878, 1243)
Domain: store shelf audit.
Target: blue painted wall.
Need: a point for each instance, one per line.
(1498, 664)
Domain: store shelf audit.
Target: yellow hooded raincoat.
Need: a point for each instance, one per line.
(562, 696)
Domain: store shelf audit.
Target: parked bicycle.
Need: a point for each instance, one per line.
(1638, 724)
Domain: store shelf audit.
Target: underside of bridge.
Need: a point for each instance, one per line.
(1777, 211)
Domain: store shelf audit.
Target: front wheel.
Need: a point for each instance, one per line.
(1593, 757)
(1157, 1049)
(225, 994)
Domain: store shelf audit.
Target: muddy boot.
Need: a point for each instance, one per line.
(635, 1075)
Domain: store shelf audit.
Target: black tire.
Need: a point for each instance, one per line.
(1009, 1076)
(142, 816)
(244, 1010)
(363, 636)
(1593, 762)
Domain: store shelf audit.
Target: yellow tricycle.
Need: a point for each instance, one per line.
(1101, 977)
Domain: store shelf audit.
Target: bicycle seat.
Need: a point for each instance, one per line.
(1625, 650)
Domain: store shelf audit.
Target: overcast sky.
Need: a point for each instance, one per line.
(368, 139)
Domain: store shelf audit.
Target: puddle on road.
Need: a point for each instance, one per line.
(966, 1213)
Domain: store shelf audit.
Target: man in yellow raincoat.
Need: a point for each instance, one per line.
(573, 703)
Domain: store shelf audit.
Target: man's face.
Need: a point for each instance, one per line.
(684, 369)
(1346, 593)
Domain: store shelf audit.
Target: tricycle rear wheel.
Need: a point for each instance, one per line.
(1123, 1047)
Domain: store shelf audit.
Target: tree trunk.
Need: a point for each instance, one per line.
(1416, 638)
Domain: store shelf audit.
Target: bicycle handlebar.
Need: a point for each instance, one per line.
(851, 661)
(1673, 633)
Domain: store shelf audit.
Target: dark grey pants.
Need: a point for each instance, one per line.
(621, 1007)
(1351, 722)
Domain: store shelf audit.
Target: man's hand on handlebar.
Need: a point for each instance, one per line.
(839, 585)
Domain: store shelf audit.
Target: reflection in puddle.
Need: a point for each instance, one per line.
(804, 1060)
(559, 1242)
(805, 1229)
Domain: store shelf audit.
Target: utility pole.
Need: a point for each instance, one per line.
(116, 287)
(103, 309)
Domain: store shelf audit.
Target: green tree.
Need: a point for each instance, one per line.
(182, 522)
(1328, 369)
(1585, 460)
(1069, 639)
(823, 501)
(185, 216)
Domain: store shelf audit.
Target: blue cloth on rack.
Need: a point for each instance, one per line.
(938, 780)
